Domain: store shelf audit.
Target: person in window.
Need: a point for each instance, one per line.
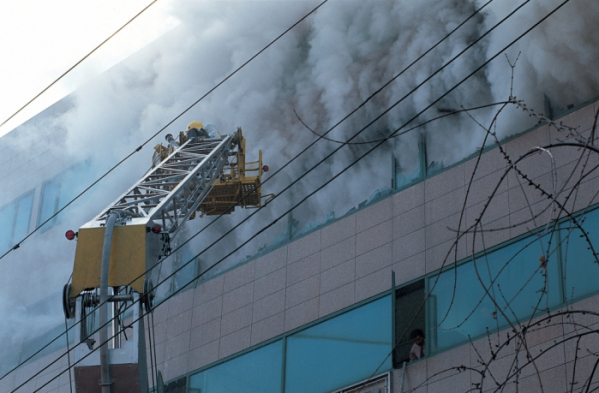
(418, 350)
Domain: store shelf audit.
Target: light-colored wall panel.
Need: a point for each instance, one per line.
(374, 215)
(338, 253)
(338, 276)
(374, 260)
(373, 237)
(303, 247)
(208, 290)
(204, 334)
(409, 268)
(301, 314)
(270, 283)
(268, 328)
(408, 222)
(338, 231)
(234, 342)
(268, 306)
(302, 291)
(303, 269)
(236, 320)
(409, 245)
(271, 262)
(408, 199)
(373, 284)
(239, 276)
(208, 311)
(238, 298)
(336, 299)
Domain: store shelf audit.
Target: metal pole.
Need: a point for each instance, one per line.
(116, 337)
(104, 361)
(403, 376)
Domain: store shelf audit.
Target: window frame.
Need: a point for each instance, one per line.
(14, 205)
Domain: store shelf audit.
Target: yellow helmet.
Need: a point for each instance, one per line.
(195, 124)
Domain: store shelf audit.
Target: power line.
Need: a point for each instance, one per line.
(79, 62)
(16, 246)
(138, 149)
(455, 112)
(309, 146)
(338, 148)
(353, 163)
(330, 153)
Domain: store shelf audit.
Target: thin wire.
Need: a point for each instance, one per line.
(66, 327)
(355, 135)
(310, 145)
(154, 335)
(151, 350)
(163, 128)
(138, 149)
(463, 80)
(79, 62)
(455, 112)
(255, 212)
(334, 126)
(333, 178)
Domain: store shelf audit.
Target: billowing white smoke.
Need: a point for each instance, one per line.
(323, 69)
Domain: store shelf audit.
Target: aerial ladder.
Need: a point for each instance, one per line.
(203, 172)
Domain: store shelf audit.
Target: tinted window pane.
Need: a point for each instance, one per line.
(581, 272)
(177, 386)
(21, 228)
(340, 351)
(518, 287)
(49, 204)
(7, 218)
(73, 181)
(258, 371)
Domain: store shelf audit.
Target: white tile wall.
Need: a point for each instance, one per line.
(352, 259)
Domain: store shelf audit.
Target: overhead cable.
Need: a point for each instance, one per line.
(18, 244)
(313, 144)
(342, 171)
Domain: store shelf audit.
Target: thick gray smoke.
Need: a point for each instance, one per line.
(322, 69)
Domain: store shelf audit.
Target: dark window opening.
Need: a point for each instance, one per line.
(176, 386)
(409, 315)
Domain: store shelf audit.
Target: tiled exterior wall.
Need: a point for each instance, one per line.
(410, 233)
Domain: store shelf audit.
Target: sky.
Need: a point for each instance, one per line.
(43, 39)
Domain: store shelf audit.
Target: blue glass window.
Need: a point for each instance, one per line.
(258, 371)
(21, 225)
(341, 351)
(7, 218)
(516, 277)
(49, 200)
(60, 190)
(14, 221)
(581, 271)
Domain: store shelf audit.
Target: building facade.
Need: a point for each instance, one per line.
(493, 258)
